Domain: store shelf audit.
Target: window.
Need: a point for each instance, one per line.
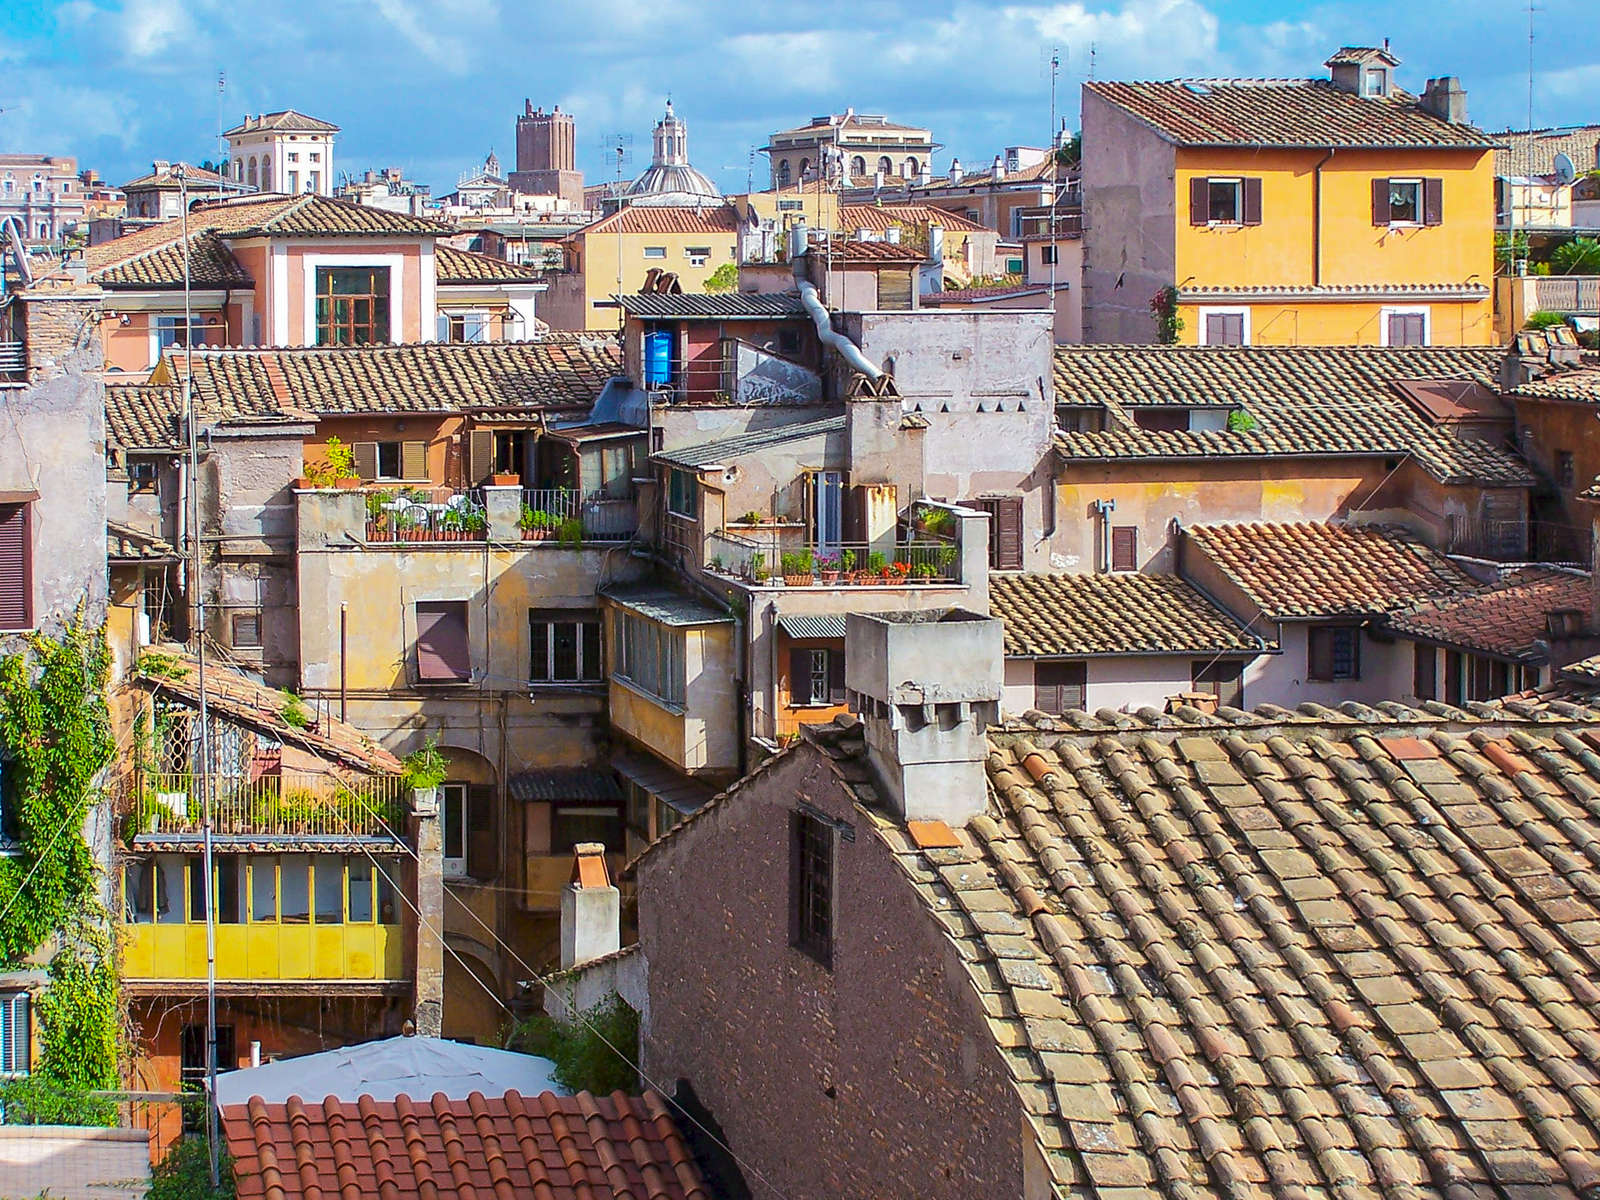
(886, 164)
(10, 825)
(294, 183)
(816, 676)
(364, 881)
(247, 630)
(316, 156)
(1405, 326)
(698, 256)
(571, 824)
(565, 647)
(352, 304)
(294, 156)
(683, 494)
(858, 166)
(1424, 673)
(791, 205)
(649, 656)
(655, 251)
(443, 654)
(16, 567)
(1334, 652)
(1224, 326)
(263, 891)
(1407, 201)
(1566, 471)
(1124, 547)
(1005, 531)
(1059, 687)
(169, 333)
(454, 800)
(811, 887)
(1048, 256)
(1224, 680)
(144, 476)
(391, 460)
(1224, 201)
(1013, 266)
(251, 175)
(1377, 81)
(784, 175)
(314, 184)
(16, 1034)
(194, 1066)
(464, 327)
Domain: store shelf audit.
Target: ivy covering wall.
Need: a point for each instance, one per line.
(56, 740)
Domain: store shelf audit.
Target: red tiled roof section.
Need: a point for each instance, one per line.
(884, 216)
(546, 1146)
(878, 253)
(1285, 112)
(666, 218)
(1308, 569)
(453, 266)
(1506, 619)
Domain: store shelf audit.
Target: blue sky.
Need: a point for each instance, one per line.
(432, 85)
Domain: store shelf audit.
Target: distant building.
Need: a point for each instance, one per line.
(389, 190)
(156, 196)
(283, 152)
(670, 179)
(546, 156)
(43, 192)
(1538, 173)
(867, 145)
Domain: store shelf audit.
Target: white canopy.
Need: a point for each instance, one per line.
(415, 1067)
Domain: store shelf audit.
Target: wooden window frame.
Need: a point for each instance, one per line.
(1123, 554)
(1203, 316)
(455, 678)
(1322, 664)
(373, 328)
(1055, 697)
(1389, 312)
(1219, 677)
(812, 853)
(802, 685)
(545, 621)
(242, 642)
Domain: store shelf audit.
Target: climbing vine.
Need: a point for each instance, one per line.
(1164, 307)
(55, 730)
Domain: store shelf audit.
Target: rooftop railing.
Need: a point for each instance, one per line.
(426, 515)
(758, 557)
(295, 803)
(1566, 293)
(566, 514)
(1521, 541)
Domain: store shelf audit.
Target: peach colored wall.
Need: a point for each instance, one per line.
(127, 346)
(444, 453)
(410, 287)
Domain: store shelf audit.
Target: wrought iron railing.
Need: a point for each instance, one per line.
(426, 515)
(565, 514)
(286, 803)
(759, 556)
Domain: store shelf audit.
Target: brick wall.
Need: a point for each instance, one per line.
(876, 1078)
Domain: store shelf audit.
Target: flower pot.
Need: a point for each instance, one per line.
(303, 483)
(798, 580)
(830, 577)
(347, 485)
(505, 480)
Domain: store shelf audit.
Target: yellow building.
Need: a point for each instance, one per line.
(1339, 211)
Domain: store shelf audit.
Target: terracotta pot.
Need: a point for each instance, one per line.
(798, 580)
(505, 480)
(347, 485)
(303, 483)
(830, 577)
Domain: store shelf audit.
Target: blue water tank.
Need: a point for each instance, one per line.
(657, 358)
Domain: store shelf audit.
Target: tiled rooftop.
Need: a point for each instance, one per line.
(849, 251)
(125, 544)
(1310, 113)
(1081, 615)
(1310, 569)
(581, 1147)
(453, 266)
(285, 120)
(1507, 619)
(1330, 953)
(558, 372)
(723, 306)
(667, 218)
(884, 216)
(1534, 152)
(143, 416)
(1302, 400)
(700, 455)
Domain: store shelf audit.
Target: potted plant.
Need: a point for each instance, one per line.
(570, 532)
(847, 565)
(506, 479)
(798, 568)
(341, 464)
(750, 518)
(758, 568)
(877, 567)
(475, 523)
(923, 572)
(424, 770)
(897, 571)
(938, 521)
(829, 570)
(716, 563)
(536, 524)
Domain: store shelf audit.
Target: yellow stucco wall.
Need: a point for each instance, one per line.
(1356, 323)
(597, 260)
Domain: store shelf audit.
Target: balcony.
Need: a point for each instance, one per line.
(479, 515)
(762, 557)
(426, 515)
(1520, 541)
(287, 804)
(1578, 294)
(564, 514)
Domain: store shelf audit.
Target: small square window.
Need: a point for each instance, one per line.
(655, 251)
(1334, 653)
(1224, 203)
(143, 476)
(247, 630)
(1405, 201)
(1047, 255)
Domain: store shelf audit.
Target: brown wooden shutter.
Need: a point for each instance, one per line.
(799, 677)
(1380, 201)
(1125, 548)
(1319, 653)
(413, 460)
(16, 577)
(1199, 201)
(894, 291)
(480, 455)
(366, 459)
(1424, 673)
(1008, 533)
(836, 676)
(482, 845)
(1452, 676)
(443, 653)
(1059, 686)
(1433, 201)
(1252, 202)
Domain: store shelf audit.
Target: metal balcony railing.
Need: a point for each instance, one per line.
(1521, 541)
(561, 513)
(759, 556)
(287, 803)
(13, 360)
(432, 515)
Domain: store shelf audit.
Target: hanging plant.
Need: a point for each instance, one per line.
(1164, 307)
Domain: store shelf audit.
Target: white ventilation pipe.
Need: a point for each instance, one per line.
(812, 303)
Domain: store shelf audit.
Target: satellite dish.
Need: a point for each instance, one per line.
(1564, 170)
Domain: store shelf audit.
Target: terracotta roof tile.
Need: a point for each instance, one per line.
(554, 1147)
(286, 120)
(1286, 113)
(126, 544)
(885, 253)
(556, 372)
(886, 216)
(1269, 957)
(1533, 152)
(153, 258)
(1301, 400)
(666, 218)
(1082, 615)
(143, 416)
(1505, 619)
(1312, 569)
(453, 266)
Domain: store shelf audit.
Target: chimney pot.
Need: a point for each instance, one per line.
(591, 908)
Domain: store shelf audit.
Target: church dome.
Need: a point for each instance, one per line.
(670, 180)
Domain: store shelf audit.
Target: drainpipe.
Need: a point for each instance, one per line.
(1105, 508)
(1316, 218)
(845, 348)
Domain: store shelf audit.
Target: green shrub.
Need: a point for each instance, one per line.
(1544, 320)
(425, 767)
(1240, 421)
(185, 1174)
(570, 532)
(1580, 256)
(582, 1052)
(294, 711)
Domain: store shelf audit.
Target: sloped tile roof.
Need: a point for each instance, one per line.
(124, 543)
(1579, 384)
(1084, 615)
(666, 218)
(1289, 954)
(1322, 569)
(565, 784)
(286, 121)
(236, 697)
(423, 377)
(309, 216)
(1310, 113)
(143, 416)
(1505, 619)
(153, 258)
(885, 216)
(982, 295)
(453, 266)
(883, 253)
(1302, 400)
(724, 306)
(1533, 152)
(557, 1148)
(166, 181)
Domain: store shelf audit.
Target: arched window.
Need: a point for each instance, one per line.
(886, 165)
(250, 175)
(805, 169)
(910, 168)
(38, 183)
(266, 174)
(783, 173)
(858, 166)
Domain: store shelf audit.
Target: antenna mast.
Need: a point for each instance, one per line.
(1055, 189)
(222, 146)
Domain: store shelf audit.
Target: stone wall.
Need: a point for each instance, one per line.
(73, 1162)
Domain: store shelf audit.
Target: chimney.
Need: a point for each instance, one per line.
(955, 170)
(591, 909)
(927, 686)
(998, 171)
(161, 166)
(935, 243)
(1446, 99)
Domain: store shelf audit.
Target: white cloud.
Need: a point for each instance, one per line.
(446, 33)
(150, 28)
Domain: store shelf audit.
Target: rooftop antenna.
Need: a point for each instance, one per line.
(1055, 189)
(1530, 65)
(618, 146)
(222, 145)
(1091, 61)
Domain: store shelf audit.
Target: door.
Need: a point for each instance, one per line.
(827, 518)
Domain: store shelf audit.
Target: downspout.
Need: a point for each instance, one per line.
(1316, 219)
(843, 346)
(1105, 508)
